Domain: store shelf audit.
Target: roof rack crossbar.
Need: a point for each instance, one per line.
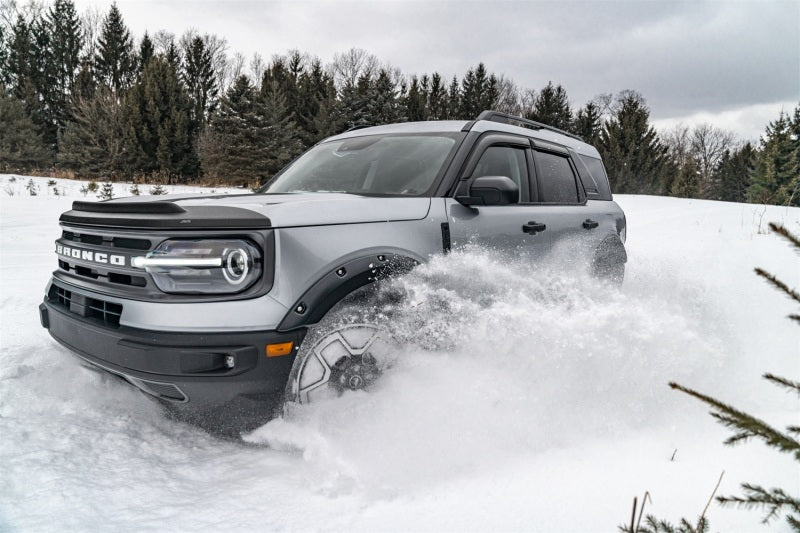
(505, 118)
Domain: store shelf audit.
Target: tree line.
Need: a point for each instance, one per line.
(80, 96)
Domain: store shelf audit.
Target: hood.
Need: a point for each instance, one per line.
(318, 209)
(189, 212)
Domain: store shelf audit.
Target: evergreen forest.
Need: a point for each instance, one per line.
(81, 96)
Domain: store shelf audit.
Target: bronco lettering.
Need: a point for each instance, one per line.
(88, 255)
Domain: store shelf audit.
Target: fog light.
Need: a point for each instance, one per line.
(277, 350)
(229, 361)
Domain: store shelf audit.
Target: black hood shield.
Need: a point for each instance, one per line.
(160, 214)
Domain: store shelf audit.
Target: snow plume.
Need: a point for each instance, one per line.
(502, 359)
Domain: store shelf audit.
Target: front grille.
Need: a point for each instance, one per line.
(112, 277)
(100, 240)
(107, 313)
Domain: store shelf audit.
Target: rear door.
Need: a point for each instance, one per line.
(561, 198)
(515, 230)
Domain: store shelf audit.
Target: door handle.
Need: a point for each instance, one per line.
(590, 224)
(533, 227)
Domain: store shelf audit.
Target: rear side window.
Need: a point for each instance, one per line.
(597, 177)
(556, 179)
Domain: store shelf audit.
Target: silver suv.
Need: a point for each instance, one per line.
(222, 307)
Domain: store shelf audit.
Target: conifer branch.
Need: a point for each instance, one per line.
(747, 426)
(783, 232)
(779, 284)
(796, 318)
(793, 386)
(756, 497)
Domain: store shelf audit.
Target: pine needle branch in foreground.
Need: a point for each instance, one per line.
(779, 284)
(755, 497)
(783, 232)
(747, 426)
(793, 386)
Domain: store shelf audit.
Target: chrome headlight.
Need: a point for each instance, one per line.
(203, 266)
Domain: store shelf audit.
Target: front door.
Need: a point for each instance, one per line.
(513, 231)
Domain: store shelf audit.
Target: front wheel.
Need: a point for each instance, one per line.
(345, 358)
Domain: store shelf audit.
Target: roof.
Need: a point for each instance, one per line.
(450, 126)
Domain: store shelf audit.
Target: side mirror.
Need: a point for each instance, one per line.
(491, 190)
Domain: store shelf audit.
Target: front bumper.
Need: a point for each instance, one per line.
(205, 377)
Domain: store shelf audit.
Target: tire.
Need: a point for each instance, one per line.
(609, 262)
(347, 350)
(610, 270)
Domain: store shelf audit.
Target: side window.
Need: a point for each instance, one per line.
(556, 179)
(504, 161)
(598, 173)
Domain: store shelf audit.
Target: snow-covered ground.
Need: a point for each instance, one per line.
(545, 407)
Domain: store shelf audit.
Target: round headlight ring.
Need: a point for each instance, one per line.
(236, 265)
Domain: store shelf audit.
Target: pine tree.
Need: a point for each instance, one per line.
(437, 99)
(27, 73)
(44, 79)
(353, 104)
(115, 61)
(687, 182)
(64, 57)
(551, 107)
(383, 106)
(146, 52)
(317, 105)
(134, 190)
(776, 175)
(21, 145)
(414, 102)
(588, 123)
(106, 191)
(91, 143)
(479, 91)
(158, 190)
(33, 189)
(634, 157)
(247, 141)
(731, 177)
(454, 100)
(156, 128)
(281, 136)
(201, 82)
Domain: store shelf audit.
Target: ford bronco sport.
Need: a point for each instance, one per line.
(215, 305)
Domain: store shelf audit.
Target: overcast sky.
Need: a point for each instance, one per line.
(735, 64)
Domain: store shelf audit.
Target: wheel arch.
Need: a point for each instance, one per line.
(342, 280)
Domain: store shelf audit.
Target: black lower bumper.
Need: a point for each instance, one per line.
(212, 378)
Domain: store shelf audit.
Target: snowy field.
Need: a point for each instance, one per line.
(545, 407)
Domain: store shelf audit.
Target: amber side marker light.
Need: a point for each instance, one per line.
(277, 350)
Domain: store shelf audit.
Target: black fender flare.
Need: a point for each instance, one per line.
(334, 286)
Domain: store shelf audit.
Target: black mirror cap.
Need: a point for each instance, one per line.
(494, 190)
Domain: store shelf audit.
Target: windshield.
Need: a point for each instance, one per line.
(405, 165)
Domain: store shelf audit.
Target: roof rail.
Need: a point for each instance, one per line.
(505, 118)
(358, 127)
